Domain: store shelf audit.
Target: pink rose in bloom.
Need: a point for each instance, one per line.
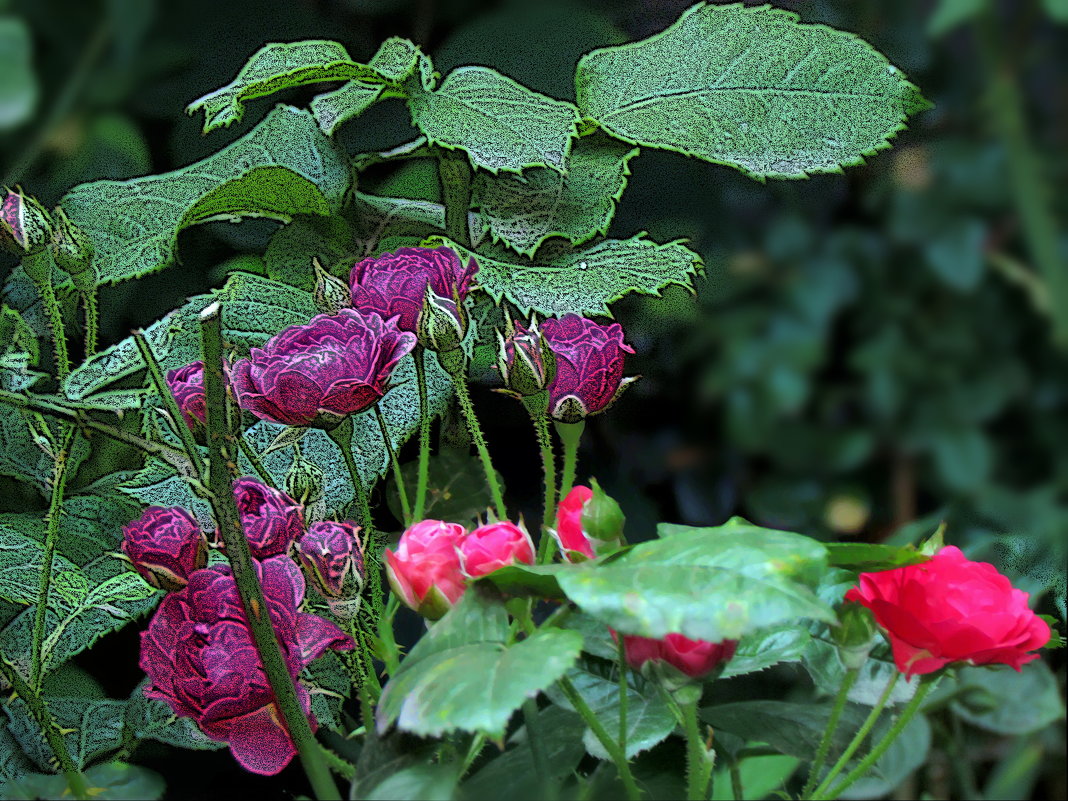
(493, 546)
(165, 546)
(329, 552)
(317, 374)
(694, 658)
(395, 284)
(568, 533)
(589, 366)
(425, 569)
(187, 386)
(199, 654)
(951, 609)
(271, 519)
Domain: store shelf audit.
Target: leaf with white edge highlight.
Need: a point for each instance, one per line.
(500, 124)
(283, 167)
(750, 88)
(523, 211)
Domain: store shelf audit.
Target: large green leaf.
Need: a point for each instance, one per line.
(872, 556)
(18, 89)
(750, 88)
(21, 560)
(499, 123)
(1001, 700)
(283, 167)
(578, 204)
(151, 719)
(582, 281)
(91, 727)
(707, 584)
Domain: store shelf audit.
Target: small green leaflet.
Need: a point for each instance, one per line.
(282, 167)
(500, 124)
(750, 88)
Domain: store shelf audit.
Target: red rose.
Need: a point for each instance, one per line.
(951, 609)
(693, 658)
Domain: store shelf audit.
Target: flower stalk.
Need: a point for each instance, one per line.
(398, 477)
(828, 733)
(570, 434)
(424, 434)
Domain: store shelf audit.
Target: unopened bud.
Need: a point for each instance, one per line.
(855, 635)
(304, 481)
(526, 362)
(71, 248)
(602, 519)
(442, 323)
(25, 227)
(331, 294)
(329, 553)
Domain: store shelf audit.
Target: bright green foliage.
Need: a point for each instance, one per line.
(283, 167)
(762, 649)
(750, 88)
(462, 675)
(578, 203)
(500, 124)
(93, 727)
(151, 719)
(824, 666)
(871, 556)
(707, 584)
(289, 254)
(18, 89)
(334, 108)
(21, 557)
(583, 281)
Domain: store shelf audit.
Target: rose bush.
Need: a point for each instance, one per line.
(589, 366)
(165, 546)
(425, 571)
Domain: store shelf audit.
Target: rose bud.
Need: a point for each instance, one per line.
(71, 248)
(951, 609)
(319, 373)
(165, 546)
(304, 481)
(396, 284)
(526, 362)
(201, 660)
(328, 552)
(586, 520)
(425, 569)
(331, 294)
(187, 386)
(855, 635)
(271, 519)
(25, 227)
(442, 323)
(589, 366)
(693, 659)
(493, 546)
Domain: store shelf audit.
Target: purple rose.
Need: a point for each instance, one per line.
(271, 519)
(316, 374)
(589, 366)
(199, 654)
(165, 546)
(395, 284)
(328, 551)
(187, 386)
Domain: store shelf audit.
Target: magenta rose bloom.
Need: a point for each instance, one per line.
(494, 546)
(425, 569)
(317, 374)
(693, 658)
(329, 552)
(271, 519)
(589, 366)
(165, 546)
(395, 284)
(187, 386)
(951, 609)
(199, 654)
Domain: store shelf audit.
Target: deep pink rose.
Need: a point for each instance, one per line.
(493, 546)
(694, 658)
(425, 569)
(317, 374)
(187, 386)
(589, 366)
(569, 535)
(329, 552)
(271, 519)
(951, 609)
(200, 657)
(165, 546)
(395, 284)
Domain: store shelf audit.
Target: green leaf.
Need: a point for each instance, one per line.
(21, 560)
(868, 556)
(456, 487)
(707, 584)
(283, 167)
(583, 281)
(750, 88)
(578, 204)
(538, 581)
(18, 89)
(907, 753)
(760, 776)
(461, 675)
(91, 727)
(151, 719)
(1057, 10)
(277, 66)
(821, 662)
(762, 649)
(963, 458)
(425, 781)
(499, 123)
(1001, 700)
(955, 254)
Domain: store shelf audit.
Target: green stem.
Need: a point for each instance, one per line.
(537, 749)
(254, 460)
(858, 738)
(346, 770)
(76, 782)
(38, 267)
(828, 732)
(899, 725)
(92, 323)
(424, 434)
(390, 651)
(454, 170)
(398, 477)
(698, 765)
(55, 512)
(570, 434)
(342, 437)
(459, 381)
(473, 751)
(222, 452)
(736, 780)
(621, 656)
(609, 745)
(536, 409)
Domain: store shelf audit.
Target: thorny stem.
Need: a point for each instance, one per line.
(38, 267)
(698, 764)
(92, 323)
(828, 732)
(254, 460)
(621, 656)
(398, 477)
(424, 434)
(548, 464)
(459, 380)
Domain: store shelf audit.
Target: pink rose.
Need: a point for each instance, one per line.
(187, 386)
(951, 609)
(694, 658)
(165, 546)
(574, 543)
(424, 571)
(493, 546)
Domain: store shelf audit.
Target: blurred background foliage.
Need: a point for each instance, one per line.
(867, 355)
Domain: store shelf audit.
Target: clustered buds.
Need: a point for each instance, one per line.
(589, 366)
(71, 248)
(187, 386)
(271, 519)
